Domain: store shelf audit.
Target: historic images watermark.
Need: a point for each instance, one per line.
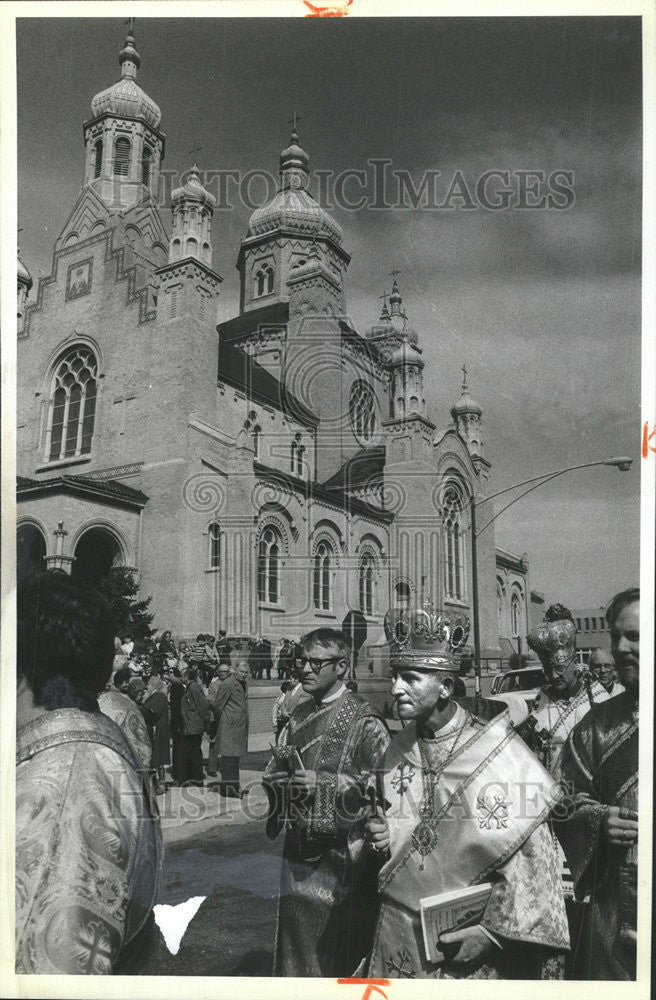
(380, 186)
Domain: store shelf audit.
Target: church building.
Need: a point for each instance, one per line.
(265, 475)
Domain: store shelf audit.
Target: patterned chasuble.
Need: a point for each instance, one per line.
(328, 896)
(491, 800)
(559, 716)
(88, 848)
(600, 760)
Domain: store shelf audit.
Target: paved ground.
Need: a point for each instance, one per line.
(218, 848)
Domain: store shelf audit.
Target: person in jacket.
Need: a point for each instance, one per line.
(231, 712)
(156, 713)
(176, 694)
(196, 715)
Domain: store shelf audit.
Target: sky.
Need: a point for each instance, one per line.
(541, 304)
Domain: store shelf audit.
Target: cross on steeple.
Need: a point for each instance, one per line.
(196, 149)
(464, 376)
(130, 21)
(293, 120)
(394, 273)
(385, 296)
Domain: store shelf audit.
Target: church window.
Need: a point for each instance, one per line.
(366, 584)
(73, 405)
(263, 280)
(362, 411)
(98, 155)
(322, 577)
(174, 303)
(207, 253)
(145, 166)
(414, 404)
(192, 247)
(176, 248)
(402, 593)
(515, 614)
(297, 456)
(257, 431)
(451, 516)
(587, 624)
(121, 157)
(268, 567)
(500, 603)
(215, 546)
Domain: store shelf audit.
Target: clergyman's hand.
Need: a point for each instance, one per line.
(275, 778)
(621, 832)
(474, 948)
(376, 831)
(305, 782)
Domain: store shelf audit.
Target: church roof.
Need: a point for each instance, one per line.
(24, 275)
(126, 98)
(241, 370)
(363, 469)
(108, 490)
(293, 208)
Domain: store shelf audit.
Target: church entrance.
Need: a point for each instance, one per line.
(95, 554)
(30, 551)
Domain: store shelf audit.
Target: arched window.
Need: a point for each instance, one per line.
(451, 517)
(98, 154)
(366, 583)
(174, 303)
(255, 431)
(146, 158)
(73, 398)
(263, 280)
(192, 247)
(322, 577)
(362, 411)
(297, 456)
(268, 567)
(500, 607)
(30, 551)
(515, 614)
(121, 157)
(402, 594)
(215, 546)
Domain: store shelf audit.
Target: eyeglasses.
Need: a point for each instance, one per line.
(316, 664)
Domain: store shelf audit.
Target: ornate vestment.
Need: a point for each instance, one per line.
(600, 760)
(88, 848)
(559, 716)
(490, 800)
(128, 717)
(327, 901)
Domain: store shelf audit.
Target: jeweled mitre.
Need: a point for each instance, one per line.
(423, 636)
(554, 642)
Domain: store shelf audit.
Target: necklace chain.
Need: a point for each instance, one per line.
(427, 772)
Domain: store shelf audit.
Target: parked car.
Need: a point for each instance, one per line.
(518, 689)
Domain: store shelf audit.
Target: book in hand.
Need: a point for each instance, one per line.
(287, 759)
(448, 911)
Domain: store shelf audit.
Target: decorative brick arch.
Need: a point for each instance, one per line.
(271, 520)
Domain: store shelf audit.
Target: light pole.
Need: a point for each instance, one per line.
(622, 463)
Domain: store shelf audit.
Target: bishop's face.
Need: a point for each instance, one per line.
(563, 677)
(417, 692)
(625, 645)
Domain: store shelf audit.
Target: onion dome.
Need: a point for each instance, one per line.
(193, 190)
(126, 98)
(465, 404)
(406, 354)
(24, 276)
(293, 207)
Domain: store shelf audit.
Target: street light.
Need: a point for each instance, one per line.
(622, 463)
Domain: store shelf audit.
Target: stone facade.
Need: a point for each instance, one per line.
(266, 475)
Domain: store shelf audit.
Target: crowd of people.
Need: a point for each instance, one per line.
(541, 819)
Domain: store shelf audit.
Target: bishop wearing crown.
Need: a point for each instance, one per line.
(462, 802)
(569, 693)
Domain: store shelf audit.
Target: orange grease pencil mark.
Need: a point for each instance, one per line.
(337, 10)
(373, 986)
(646, 438)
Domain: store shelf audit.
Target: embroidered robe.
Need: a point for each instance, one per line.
(328, 901)
(491, 799)
(559, 716)
(88, 848)
(600, 760)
